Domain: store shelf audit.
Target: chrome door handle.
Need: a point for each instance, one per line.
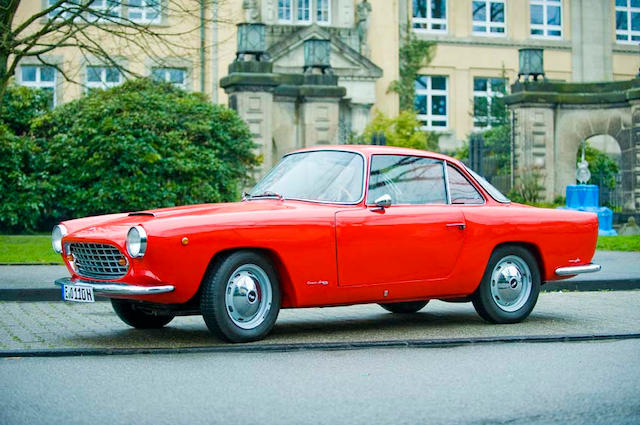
(460, 226)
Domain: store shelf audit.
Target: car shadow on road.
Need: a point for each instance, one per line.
(298, 329)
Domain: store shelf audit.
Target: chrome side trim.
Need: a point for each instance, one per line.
(571, 270)
(111, 288)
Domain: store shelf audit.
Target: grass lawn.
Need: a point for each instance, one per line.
(27, 249)
(619, 243)
(37, 248)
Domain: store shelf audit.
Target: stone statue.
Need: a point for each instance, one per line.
(251, 12)
(630, 227)
(362, 25)
(582, 173)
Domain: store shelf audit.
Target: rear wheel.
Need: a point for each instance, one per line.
(510, 286)
(241, 298)
(404, 308)
(128, 312)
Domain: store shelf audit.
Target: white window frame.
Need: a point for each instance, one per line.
(308, 9)
(117, 11)
(283, 5)
(148, 7)
(629, 33)
(166, 77)
(103, 83)
(545, 27)
(318, 12)
(489, 94)
(294, 16)
(488, 23)
(429, 92)
(429, 21)
(39, 83)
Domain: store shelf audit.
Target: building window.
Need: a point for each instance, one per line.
(304, 11)
(430, 15)
(40, 77)
(145, 11)
(627, 21)
(546, 18)
(284, 10)
(488, 105)
(323, 11)
(103, 77)
(106, 8)
(488, 17)
(431, 101)
(175, 76)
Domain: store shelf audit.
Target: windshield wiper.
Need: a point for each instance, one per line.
(267, 194)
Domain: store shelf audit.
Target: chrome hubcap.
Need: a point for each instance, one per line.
(511, 283)
(248, 296)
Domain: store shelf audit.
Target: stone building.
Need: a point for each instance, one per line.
(476, 56)
(477, 51)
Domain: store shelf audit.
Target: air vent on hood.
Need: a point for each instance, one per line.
(150, 214)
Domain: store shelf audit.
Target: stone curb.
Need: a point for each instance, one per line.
(53, 293)
(319, 346)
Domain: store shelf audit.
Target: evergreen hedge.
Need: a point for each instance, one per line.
(137, 146)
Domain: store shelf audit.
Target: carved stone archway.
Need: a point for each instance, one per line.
(551, 119)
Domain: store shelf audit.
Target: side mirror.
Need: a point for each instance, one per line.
(383, 201)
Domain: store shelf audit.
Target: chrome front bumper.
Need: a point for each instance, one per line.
(571, 270)
(111, 288)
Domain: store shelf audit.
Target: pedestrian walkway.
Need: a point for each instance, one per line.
(63, 326)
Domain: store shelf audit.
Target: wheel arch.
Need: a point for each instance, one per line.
(286, 285)
(533, 250)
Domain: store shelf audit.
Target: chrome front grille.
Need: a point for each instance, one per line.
(98, 260)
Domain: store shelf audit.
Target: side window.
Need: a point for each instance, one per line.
(462, 192)
(407, 179)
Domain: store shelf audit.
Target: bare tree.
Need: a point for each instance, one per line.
(85, 24)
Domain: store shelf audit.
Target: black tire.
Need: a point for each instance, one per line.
(132, 316)
(404, 308)
(230, 283)
(502, 296)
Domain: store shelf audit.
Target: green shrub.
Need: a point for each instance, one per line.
(23, 185)
(20, 106)
(603, 168)
(403, 130)
(137, 146)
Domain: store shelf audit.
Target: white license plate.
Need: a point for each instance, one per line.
(78, 293)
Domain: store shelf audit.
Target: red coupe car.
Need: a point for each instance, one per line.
(328, 226)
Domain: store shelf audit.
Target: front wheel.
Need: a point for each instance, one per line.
(241, 298)
(404, 308)
(128, 312)
(510, 286)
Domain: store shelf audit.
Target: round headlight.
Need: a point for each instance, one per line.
(136, 242)
(57, 234)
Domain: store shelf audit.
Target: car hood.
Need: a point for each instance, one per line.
(102, 226)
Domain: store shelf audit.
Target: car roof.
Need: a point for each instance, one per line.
(368, 150)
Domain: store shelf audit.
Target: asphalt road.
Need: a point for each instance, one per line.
(518, 383)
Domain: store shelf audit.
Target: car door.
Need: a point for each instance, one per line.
(417, 238)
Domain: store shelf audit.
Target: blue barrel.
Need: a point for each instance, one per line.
(582, 195)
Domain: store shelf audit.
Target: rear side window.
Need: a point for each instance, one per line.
(462, 192)
(407, 179)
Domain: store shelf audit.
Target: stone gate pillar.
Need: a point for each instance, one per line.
(533, 144)
(250, 86)
(634, 100)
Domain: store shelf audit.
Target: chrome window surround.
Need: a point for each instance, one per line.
(473, 183)
(96, 260)
(364, 177)
(441, 161)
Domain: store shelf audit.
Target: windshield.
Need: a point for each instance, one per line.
(326, 176)
(495, 193)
